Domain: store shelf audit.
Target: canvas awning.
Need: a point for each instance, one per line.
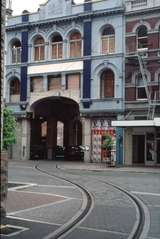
(131, 123)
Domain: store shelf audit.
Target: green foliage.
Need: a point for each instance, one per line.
(9, 128)
(107, 143)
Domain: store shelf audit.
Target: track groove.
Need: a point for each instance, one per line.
(85, 210)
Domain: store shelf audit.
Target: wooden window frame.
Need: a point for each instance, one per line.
(16, 54)
(138, 88)
(59, 50)
(108, 39)
(40, 48)
(102, 86)
(140, 38)
(15, 89)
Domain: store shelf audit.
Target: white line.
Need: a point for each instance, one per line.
(147, 193)
(103, 230)
(21, 229)
(153, 237)
(21, 187)
(48, 194)
(38, 207)
(32, 220)
(12, 166)
(55, 186)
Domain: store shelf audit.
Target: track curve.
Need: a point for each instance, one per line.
(141, 227)
(86, 208)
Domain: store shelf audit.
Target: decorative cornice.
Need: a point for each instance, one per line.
(79, 16)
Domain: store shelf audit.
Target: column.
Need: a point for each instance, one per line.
(45, 83)
(119, 146)
(25, 143)
(86, 138)
(51, 137)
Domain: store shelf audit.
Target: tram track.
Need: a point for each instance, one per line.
(140, 228)
(86, 208)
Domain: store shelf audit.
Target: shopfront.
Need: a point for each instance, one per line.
(141, 142)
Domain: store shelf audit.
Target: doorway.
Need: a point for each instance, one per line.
(158, 151)
(138, 149)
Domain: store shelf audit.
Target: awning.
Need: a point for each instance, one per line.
(131, 123)
(55, 68)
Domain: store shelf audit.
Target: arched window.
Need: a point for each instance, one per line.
(108, 40)
(107, 84)
(75, 44)
(39, 48)
(57, 46)
(140, 87)
(142, 37)
(16, 51)
(14, 90)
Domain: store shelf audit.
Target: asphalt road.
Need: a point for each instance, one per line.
(46, 203)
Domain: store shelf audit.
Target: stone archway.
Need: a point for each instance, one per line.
(47, 113)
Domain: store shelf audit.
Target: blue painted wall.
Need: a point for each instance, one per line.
(87, 38)
(86, 78)
(24, 59)
(25, 18)
(87, 62)
(23, 83)
(119, 146)
(88, 6)
(24, 56)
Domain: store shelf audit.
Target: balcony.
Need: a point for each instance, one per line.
(132, 5)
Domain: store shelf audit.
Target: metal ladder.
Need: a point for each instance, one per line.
(151, 103)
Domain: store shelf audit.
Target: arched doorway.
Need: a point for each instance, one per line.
(56, 123)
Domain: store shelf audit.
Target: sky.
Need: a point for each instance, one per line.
(31, 5)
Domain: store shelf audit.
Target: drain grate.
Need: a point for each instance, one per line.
(10, 230)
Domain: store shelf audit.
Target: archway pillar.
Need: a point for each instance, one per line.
(51, 137)
(25, 152)
(71, 133)
(86, 138)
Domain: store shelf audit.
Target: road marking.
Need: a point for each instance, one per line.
(103, 230)
(146, 193)
(38, 207)
(13, 166)
(22, 186)
(33, 220)
(48, 194)
(55, 186)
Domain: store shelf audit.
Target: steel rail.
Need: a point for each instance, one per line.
(86, 208)
(141, 227)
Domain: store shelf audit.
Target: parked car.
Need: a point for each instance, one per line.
(59, 152)
(74, 152)
(38, 152)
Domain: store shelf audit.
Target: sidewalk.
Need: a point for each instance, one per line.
(70, 165)
(104, 167)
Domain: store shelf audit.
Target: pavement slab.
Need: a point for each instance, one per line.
(18, 200)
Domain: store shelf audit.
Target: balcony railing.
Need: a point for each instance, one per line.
(137, 3)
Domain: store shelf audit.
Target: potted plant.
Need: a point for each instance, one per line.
(9, 126)
(107, 145)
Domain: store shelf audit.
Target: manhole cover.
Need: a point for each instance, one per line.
(10, 230)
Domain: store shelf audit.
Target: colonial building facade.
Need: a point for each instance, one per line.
(67, 80)
(141, 123)
(64, 75)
